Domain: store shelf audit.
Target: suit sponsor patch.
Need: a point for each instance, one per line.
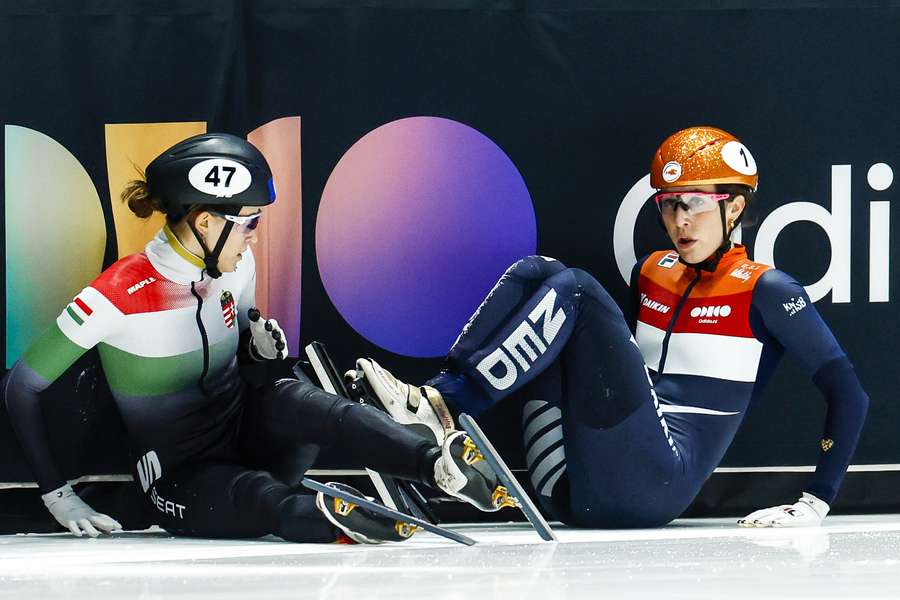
(668, 261)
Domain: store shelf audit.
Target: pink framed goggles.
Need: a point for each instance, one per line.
(692, 203)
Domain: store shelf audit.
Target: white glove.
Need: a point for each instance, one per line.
(808, 511)
(74, 514)
(267, 341)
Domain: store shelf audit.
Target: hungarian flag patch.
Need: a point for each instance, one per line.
(79, 311)
(229, 308)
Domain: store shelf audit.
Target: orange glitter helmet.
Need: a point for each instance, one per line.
(702, 155)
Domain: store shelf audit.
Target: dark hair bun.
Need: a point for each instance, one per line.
(139, 198)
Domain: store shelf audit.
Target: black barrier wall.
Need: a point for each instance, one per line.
(576, 97)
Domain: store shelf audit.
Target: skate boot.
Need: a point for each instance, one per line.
(357, 523)
(421, 408)
(462, 472)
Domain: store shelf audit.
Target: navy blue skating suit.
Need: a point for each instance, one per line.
(622, 427)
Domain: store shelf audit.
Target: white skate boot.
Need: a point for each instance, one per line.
(461, 470)
(419, 407)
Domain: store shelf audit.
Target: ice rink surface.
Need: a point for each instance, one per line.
(849, 557)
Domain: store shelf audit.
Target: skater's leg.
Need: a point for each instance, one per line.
(607, 378)
(543, 440)
(525, 342)
(222, 500)
(622, 464)
(497, 358)
(293, 411)
(215, 499)
(514, 289)
(516, 322)
(597, 451)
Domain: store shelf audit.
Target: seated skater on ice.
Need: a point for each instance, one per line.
(171, 324)
(622, 431)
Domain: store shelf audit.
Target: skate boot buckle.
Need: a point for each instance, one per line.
(471, 454)
(501, 498)
(405, 530)
(342, 507)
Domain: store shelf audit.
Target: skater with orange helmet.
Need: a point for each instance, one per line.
(624, 422)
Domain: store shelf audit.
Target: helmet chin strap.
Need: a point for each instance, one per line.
(712, 261)
(211, 258)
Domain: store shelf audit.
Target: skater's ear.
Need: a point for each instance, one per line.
(201, 221)
(735, 207)
(743, 198)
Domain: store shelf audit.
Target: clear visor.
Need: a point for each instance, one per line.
(692, 203)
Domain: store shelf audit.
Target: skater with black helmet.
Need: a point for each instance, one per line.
(171, 325)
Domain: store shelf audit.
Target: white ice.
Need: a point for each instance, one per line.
(849, 557)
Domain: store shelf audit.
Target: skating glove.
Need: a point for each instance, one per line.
(809, 511)
(267, 338)
(74, 514)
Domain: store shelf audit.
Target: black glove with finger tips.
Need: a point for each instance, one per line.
(267, 338)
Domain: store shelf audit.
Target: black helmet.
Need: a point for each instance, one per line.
(214, 169)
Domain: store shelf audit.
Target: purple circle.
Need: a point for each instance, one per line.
(417, 222)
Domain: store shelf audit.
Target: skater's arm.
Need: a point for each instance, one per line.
(80, 326)
(791, 318)
(47, 358)
(261, 338)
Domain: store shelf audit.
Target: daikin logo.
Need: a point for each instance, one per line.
(654, 305)
(835, 223)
